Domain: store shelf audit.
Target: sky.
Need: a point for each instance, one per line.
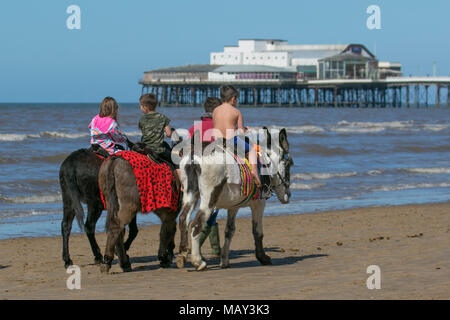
(41, 60)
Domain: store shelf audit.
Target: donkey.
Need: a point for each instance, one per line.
(119, 187)
(78, 178)
(206, 177)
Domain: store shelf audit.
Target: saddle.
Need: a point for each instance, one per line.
(98, 151)
(142, 149)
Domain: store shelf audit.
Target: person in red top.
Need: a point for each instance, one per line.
(205, 127)
(207, 122)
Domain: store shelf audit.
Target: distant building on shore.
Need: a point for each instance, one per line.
(275, 60)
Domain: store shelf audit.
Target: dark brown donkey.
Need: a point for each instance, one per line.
(119, 187)
(78, 177)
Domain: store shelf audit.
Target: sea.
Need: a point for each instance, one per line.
(343, 158)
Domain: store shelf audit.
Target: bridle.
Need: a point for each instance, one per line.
(284, 181)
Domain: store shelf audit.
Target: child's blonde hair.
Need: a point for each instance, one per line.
(109, 108)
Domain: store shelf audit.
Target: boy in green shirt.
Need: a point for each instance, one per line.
(153, 126)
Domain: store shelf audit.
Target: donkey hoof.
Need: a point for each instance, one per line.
(98, 260)
(202, 266)
(127, 269)
(104, 268)
(165, 264)
(224, 265)
(68, 263)
(265, 260)
(181, 260)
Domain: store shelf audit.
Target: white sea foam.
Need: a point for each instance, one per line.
(357, 130)
(56, 134)
(323, 176)
(133, 133)
(384, 125)
(304, 186)
(16, 136)
(427, 170)
(435, 127)
(50, 198)
(305, 129)
(412, 186)
(375, 172)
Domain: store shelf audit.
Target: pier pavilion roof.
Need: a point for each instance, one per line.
(190, 68)
(242, 68)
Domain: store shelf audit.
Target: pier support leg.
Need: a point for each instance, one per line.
(438, 95)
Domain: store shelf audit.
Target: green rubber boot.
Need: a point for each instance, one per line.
(205, 232)
(214, 240)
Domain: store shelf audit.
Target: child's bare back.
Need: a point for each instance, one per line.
(227, 119)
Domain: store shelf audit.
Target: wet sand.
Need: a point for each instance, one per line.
(315, 256)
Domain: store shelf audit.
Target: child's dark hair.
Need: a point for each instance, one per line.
(149, 101)
(227, 93)
(211, 103)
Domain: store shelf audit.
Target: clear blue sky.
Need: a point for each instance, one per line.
(43, 61)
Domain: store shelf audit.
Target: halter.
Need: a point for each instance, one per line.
(286, 157)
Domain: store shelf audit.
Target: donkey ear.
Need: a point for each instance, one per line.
(283, 140)
(268, 137)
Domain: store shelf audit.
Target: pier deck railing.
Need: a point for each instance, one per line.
(389, 92)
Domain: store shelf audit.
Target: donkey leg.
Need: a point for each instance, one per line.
(94, 212)
(197, 226)
(113, 234)
(257, 207)
(132, 233)
(124, 260)
(166, 238)
(189, 202)
(229, 232)
(66, 227)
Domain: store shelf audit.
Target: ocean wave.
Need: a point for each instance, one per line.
(323, 176)
(427, 170)
(53, 134)
(56, 134)
(374, 127)
(383, 125)
(304, 129)
(16, 136)
(49, 198)
(304, 186)
(375, 172)
(357, 130)
(412, 186)
(435, 127)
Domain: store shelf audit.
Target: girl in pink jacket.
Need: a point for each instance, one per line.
(105, 129)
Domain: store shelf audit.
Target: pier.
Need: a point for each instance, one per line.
(393, 92)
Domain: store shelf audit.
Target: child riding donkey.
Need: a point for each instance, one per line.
(220, 179)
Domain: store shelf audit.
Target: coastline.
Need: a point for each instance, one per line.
(315, 256)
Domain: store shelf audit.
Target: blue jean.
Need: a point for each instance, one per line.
(212, 219)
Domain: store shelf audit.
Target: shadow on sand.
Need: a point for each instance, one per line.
(213, 263)
(3, 267)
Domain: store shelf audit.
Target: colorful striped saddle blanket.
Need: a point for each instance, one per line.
(239, 172)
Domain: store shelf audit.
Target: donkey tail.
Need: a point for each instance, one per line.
(108, 185)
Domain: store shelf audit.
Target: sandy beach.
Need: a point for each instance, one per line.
(315, 256)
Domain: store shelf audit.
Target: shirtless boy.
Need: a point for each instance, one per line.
(227, 118)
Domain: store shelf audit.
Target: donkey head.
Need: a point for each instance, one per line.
(280, 163)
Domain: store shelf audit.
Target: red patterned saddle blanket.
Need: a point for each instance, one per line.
(155, 182)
